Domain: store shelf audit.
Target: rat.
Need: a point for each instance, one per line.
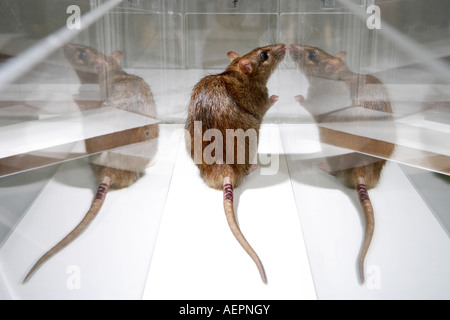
(112, 170)
(236, 99)
(331, 85)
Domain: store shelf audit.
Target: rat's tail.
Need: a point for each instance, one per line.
(370, 223)
(90, 215)
(229, 212)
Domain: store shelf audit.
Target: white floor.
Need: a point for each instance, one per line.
(166, 237)
(307, 230)
(110, 260)
(197, 257)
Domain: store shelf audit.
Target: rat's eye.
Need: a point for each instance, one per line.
(313, 55)
(83, 55)
(264, 56)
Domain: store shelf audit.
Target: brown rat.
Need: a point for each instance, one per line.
(236, 99)
(112, 170)
(331, 82)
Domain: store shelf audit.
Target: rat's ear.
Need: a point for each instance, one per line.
(246, 66)
(117, 55)
(332, 65)
(232, 55)
(341, 54)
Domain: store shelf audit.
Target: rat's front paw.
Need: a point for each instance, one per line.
(300, 99)
(273, 99)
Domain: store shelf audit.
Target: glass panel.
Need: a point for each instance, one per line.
(364, 87)
(211, 36)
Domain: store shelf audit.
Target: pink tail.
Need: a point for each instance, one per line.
(231, 219)
(82, 226)
(370, 223)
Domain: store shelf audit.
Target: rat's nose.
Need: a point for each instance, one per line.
(292, 47)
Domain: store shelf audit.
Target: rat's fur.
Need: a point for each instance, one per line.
(236, 99)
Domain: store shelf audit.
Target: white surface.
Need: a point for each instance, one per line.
(303, 224)
(434, 190)
(111, 258)
(409, 256)
(46, 133)
(17, 194)
(196, 255)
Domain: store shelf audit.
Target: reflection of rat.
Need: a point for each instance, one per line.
(4, 57)
(330, 80)
(125, 166)
(235, 99)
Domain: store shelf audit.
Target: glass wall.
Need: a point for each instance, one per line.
(363, 91)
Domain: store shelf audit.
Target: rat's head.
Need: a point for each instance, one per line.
(260, 63)
(89, 63)
(314, 62)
